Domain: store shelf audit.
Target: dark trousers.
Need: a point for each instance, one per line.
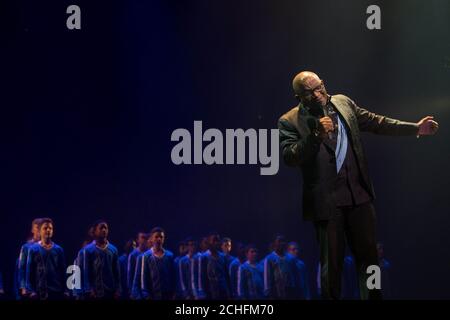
(357, 225)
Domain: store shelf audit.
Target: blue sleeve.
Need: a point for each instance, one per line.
(78, 292)
(28, 270)
(232, 278)
(242, 284)
(136, 287)
(201, 277)
(172, 275)
(131, 268)
(116, 273)
(145, 278)
(22, 267)
(84, 261)
(182, 278)
(193, 270)
(267, 277)
(62, 270)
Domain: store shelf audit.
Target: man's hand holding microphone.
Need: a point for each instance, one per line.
(326, 127)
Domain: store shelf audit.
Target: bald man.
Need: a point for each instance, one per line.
(322, 136)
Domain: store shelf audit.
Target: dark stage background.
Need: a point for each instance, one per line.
(86, 119)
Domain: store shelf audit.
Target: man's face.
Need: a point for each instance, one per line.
(293, 249)
(313, 92)
(252, 255)
(204, 244)
(191, 247)
(142, 239)
(280, 244)
(226, 247)
(214, 242)
(158, 239)
(46, 231)
(35, 231)
(101, 231)
(182, 249)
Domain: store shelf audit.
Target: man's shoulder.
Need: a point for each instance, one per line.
(169, 254)
(341, 98)
(89, 248)
(34, 247)
(27, 245)
(270, 256)
(135, 253)
(113, 248)
(58, 248)
(291, 115)
(146, 254)
(235, 262)
(184, 259)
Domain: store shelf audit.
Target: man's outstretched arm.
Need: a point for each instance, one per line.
(378, 124)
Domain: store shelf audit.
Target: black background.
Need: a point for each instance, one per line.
(86, 119)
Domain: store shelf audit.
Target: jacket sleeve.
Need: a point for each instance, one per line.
(201, 278)
(22, 267)
(85, 262)
(62, 270)
(242, 284)
(145, 278)
(136, 287)
(116, 273)
(194, 277)
(131, 266)
(378, 124)
(29, 270)
(268, 281)
(296, 150)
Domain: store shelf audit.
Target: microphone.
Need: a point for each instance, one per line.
(328, 111)
(312, 124)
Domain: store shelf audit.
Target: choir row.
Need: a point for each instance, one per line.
(148, 271)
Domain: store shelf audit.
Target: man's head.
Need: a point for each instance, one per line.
(213, 241)
(226, 245)
(240, 250)
(142, 240)
(251, 253)
(191, 246)
(129, 246)
(309, 89)
(157, 237)
(46, 229)
(279, 243)
(182, 250)
(35, 234)
(99, 230)
(204, 244)
(293, 249)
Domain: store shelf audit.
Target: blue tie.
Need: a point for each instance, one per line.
(341, 144)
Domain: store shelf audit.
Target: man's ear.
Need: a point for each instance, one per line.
(297, 97)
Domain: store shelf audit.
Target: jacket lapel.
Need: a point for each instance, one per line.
(343, 111)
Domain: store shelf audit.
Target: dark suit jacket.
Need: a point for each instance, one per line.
(300, 147)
